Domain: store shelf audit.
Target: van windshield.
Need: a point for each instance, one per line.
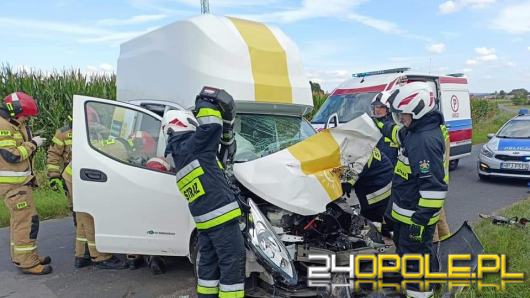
(348, 107)
(259, 135)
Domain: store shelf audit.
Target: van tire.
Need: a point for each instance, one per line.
(194, 251)
(453, 164)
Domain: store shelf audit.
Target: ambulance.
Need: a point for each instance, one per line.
(352, 98)
(286, 175)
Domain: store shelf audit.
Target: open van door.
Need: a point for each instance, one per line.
(136, 210)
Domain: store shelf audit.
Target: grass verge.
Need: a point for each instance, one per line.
(50, 204)
(490, 125)
(514, 242)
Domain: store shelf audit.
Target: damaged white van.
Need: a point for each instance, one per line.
(287, 176)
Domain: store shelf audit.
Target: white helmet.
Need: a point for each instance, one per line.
(416, 98)
(178, 122)
(381, 99)
(158, 164)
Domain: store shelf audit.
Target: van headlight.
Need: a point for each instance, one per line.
(269, 250)
(486, 151)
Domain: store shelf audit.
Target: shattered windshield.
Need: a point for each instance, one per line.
(258, 135)
(348, 107)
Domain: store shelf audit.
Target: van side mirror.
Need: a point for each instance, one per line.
(491, 135)
(334, 118)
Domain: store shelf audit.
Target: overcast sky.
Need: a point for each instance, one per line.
(489, 40)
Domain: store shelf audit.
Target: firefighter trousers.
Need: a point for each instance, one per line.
(85, 237)
(221, 262)
(24, 224)
(405, 245)
(442, 228)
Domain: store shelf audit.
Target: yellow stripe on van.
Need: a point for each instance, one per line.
(319, 155)
(268, 61)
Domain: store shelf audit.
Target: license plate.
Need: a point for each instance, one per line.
(514, 166)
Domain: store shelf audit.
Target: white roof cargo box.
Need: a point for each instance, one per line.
(257, 64)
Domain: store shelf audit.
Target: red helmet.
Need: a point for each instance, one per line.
(144, 142)
(20, 104)
(91, 115)
(158, 164)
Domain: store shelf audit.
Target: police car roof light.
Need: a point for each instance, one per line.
(523, 112)
(456, 75)
(379, 72)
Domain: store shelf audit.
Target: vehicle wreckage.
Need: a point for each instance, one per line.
(287, 176)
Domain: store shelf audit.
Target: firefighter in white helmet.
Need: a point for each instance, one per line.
(193, 144)
(419, 186)
(381, 111)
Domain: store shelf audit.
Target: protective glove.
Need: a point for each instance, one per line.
(220, 98)
(416, 232)
(38, 141)
(56, 184)
(227, 152)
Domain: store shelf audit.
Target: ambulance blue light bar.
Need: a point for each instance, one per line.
(380, 72)
(523, 112)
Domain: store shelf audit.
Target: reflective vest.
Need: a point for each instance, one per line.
(373, 188)
(15, 152)
(200, 176)
(60, 151)
(419, 186)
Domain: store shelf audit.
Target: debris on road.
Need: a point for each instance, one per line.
(501, 220)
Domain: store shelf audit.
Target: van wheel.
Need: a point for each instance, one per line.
(194, 252)
(453, 164)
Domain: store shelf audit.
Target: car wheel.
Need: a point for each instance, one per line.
(483, 177)
(453, 164)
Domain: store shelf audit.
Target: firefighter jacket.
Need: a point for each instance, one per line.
(419, 186)
(200, 176)
(16, 149)
(385, 144)
(374, 186)
(60, 152)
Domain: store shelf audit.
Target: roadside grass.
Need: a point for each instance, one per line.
(50, 204)
(512, 241)
(488, 125)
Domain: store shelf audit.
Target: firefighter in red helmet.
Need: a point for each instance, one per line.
(17, 146)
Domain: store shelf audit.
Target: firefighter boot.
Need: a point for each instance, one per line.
(82, 262)
(45, 260)
(38, 270)
(112, 263)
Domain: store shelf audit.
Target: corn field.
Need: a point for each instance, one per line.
(54, 93)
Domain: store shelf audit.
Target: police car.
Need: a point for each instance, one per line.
(507, 154)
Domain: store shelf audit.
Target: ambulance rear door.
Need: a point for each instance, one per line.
(456, 108)
(136, 210)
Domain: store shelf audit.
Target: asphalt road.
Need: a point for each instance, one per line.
(468, 196)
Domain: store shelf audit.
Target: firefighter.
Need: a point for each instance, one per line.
(17, 146)
(193, 144)
(419, 185)
(373, 186)
(60, 155)
(381, 111)
(85, 248)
